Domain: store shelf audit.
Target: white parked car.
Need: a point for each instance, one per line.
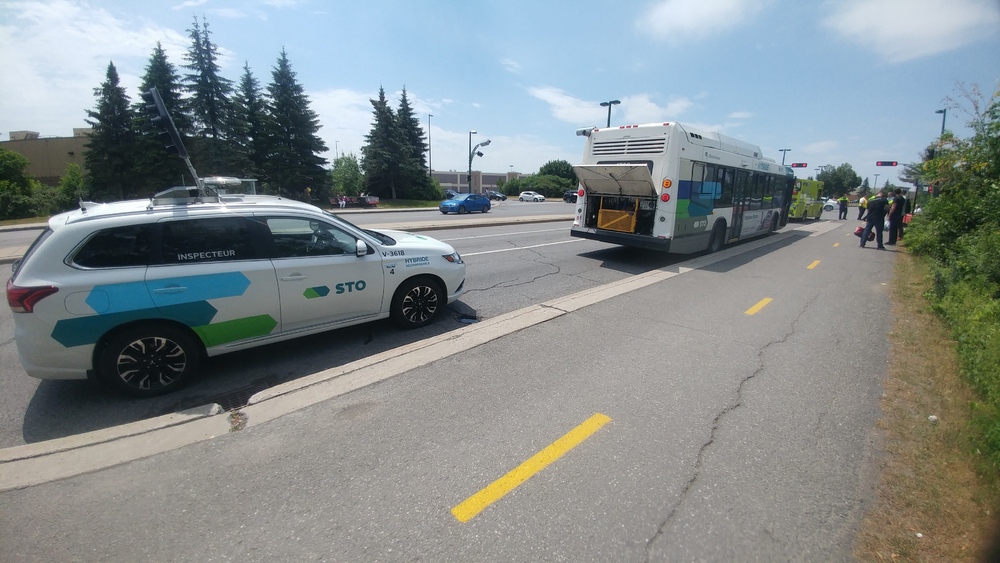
(830, 204)
(136, 293)
(530, 196)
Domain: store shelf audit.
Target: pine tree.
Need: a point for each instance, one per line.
(157, 165)
(249, 126)
(293, 162)
(110, 156)
(209, 102)
(383, 151)
(415, 179)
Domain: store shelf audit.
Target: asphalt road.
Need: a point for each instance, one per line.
(718, 408)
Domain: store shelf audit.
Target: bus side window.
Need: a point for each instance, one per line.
(724, 194)
(769, 193)
(756, 197)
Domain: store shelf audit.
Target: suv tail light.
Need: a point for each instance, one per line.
(23, 299)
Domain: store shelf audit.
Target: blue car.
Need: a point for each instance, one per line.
(465, 203)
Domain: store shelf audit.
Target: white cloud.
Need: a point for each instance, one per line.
(902, 30)
(636, 109)
(229, 13)
(190, 4)
(511, 65)
(346, 117)
(56, 53)
(740, 115)
(675, 20)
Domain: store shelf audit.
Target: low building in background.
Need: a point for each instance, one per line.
(481, 181)
(49, 157)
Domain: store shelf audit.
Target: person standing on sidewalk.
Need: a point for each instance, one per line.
(877, 209)
(862, 205)
(896, 216)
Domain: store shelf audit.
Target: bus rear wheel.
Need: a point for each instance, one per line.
(718, 238)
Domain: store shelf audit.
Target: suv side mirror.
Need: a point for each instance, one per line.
(362, 248)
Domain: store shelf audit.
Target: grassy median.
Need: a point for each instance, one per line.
(937, 496)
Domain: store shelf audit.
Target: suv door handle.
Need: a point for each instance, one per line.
(170, 289)
(294, 277)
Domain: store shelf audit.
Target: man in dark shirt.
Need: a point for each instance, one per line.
(896, 216)
(877, 209)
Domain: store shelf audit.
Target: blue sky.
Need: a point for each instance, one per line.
(835, 81)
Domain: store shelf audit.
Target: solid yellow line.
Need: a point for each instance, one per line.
(813, 265)
(763, 303)
(478, 502)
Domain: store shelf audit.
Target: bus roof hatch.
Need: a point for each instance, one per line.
(616, 179)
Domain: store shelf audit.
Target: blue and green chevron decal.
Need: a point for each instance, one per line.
(117, 304)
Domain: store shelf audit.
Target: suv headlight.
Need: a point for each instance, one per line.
(454, 258)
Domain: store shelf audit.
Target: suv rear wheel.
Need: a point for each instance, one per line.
(149, 360)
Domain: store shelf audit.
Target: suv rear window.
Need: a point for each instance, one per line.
(117, 248)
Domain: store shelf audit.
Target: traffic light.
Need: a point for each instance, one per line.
(799, 164)
(160, 117)
(886, 163)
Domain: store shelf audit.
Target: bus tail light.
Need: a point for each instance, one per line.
(664, 197)
(580, 193)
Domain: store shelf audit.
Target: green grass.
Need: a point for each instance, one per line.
(26, 221)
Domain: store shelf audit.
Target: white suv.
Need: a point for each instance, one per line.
(137, 292)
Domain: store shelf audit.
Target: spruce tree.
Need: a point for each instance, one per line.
(293, 162)
(248, 134)
(209, 102)
(110, 155)
(157, 165)
(414, 177)
(384, 150)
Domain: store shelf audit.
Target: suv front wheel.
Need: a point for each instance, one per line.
(417, 302)
(149, 360)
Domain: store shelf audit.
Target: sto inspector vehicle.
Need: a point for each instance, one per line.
(465, 203)
(136, 293)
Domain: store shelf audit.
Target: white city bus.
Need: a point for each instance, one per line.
(674, 188)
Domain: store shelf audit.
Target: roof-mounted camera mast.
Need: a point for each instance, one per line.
(158, 115)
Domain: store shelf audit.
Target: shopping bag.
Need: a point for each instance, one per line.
(907, 218)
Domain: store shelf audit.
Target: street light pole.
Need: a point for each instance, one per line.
(783, 151)
(608, 105)
(875, 189)
(944, 115)
(474, 152)
(430, 167)
(469, 177)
